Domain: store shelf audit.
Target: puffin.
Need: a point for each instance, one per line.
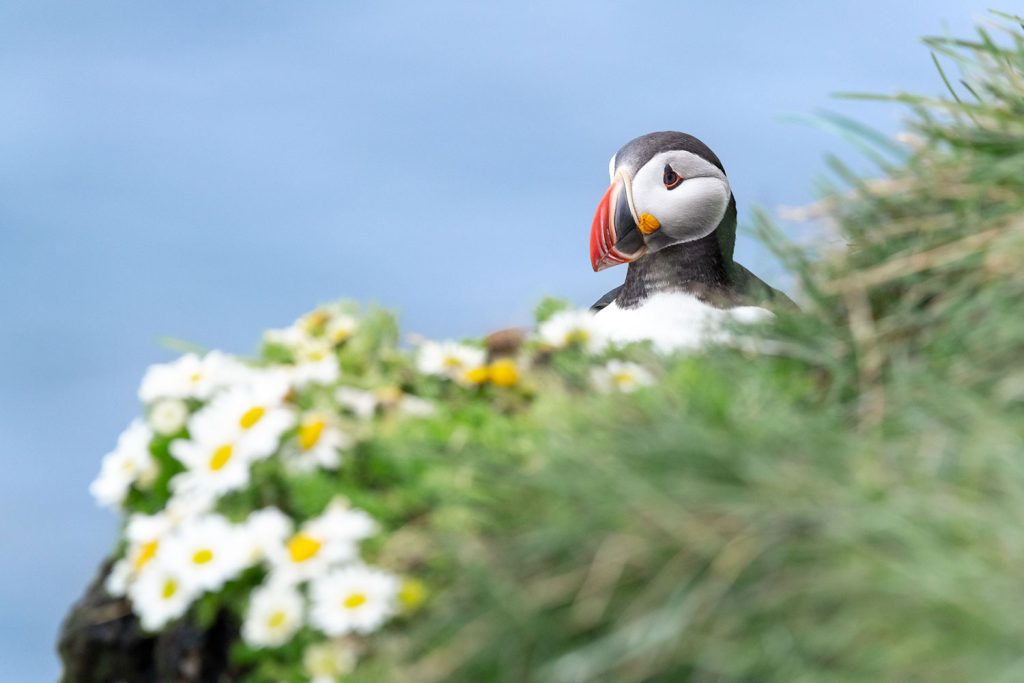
(671, 216)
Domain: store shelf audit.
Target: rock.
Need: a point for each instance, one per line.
(101, 642)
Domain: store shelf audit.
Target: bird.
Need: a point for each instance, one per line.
(670, 214)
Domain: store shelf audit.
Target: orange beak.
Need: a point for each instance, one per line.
(614, 235)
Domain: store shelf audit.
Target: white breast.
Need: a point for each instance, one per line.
(674, 321)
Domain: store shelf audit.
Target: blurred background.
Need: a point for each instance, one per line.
(207, 170)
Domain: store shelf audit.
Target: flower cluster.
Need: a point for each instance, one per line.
(216, 427)
(211, 478)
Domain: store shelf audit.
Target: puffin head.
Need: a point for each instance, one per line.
(667, 188)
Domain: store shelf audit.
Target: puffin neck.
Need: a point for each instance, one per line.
(701, 267)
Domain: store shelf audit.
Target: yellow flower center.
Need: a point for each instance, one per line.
(303, 547)
(577, 337)
(277, 619)
(220, 457)
(310, 432)
(354, 600)
(251, 417)
(623, 378)
(478, 375)
(170, 588)
(202, 556)
(195, 376)
(452, 362)
(340, 334)
(315, 320)
(504, 373)
(146, 553)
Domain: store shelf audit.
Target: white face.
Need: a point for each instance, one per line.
(690, 210)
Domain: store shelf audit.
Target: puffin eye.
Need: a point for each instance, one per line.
(671, 178)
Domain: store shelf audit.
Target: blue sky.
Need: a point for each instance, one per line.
(206, 170)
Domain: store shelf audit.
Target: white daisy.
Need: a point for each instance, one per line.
(144, 529)
(288, 337)
(324, 371)
(329, 661)
(312, 350)
(317, 443)
(340, 327)
(343, 523)
(186, 505)
(388, 397)
(332, 322)
(363, 404)
(216, 462)
(327, 540)
(129, 463)
(254, 413)
(146, 536)
(303, 339)
(275, 613)
(207, 552)
(120, 577)
(414, 406)
(568, 328)
(622, 376)
(160, 595)
(168, 416)
(189, 377)
(265, 529)
(354, 599)
(455, 361)
(314, 321)
(305, 555)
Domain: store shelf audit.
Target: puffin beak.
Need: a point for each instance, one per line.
(614, 235)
